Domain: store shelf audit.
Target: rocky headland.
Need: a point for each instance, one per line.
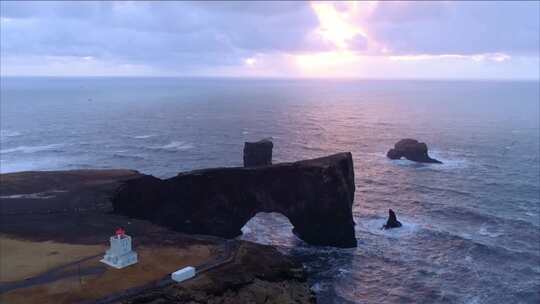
(55, 226)
(316, 195)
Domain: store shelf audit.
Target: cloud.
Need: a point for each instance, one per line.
(457, 27)
(220, 38)
(496, 57)
(166, 34)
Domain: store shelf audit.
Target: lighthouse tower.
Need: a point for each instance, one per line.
(120, 254)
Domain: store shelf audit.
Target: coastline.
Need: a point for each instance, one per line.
(63, 216)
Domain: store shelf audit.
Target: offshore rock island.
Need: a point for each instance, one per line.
(412, 150)
(315, 195)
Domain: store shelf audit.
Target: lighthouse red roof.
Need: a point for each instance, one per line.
(120, 232)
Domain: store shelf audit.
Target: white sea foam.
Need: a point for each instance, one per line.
(343, 271)
(9, 133)
(318, 287)
(175, 146)
(143, 136)
(31, 149)
(483, 231)
(451, 159)
(449, 162)
(374, 226)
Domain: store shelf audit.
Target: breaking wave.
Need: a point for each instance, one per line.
(9, 133)
(32, 149)
(143, 136)
(175, 146)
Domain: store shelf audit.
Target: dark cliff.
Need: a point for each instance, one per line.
(316, 195)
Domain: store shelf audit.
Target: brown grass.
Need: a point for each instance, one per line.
(23, 259)
(154, 263)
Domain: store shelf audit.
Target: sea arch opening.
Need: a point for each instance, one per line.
(269, 228)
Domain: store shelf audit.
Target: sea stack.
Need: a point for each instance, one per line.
(413, 150)
(258, 153)
(392, 221)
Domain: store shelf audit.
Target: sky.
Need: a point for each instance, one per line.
(367, 39)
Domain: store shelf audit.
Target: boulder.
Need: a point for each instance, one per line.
(258, 153)
(411, 149)
(392, 221)
(315, 195)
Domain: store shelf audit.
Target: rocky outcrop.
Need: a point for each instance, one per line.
(315, 195)
(46, 192)
(413, 150)
(258, 274)
(258, 153)
(392, 221)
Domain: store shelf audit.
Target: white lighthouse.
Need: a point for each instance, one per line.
(120, 254)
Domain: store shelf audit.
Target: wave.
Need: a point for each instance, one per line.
(31, 149)
(374, 226)
(127, 156)
(450, 161)
(9, 133)
(319, 287)
(440, 234)
(175, 146)
(438, 189)
(143, 136)
(484, 231)
(311, 148)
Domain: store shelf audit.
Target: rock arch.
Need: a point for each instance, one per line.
(315, 195)
(265, 226)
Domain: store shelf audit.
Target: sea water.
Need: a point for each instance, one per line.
(471, 226)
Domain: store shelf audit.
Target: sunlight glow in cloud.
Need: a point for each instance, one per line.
(346, 26)
(338, 24)
(336, 27)
(250, 61)
(334, 23)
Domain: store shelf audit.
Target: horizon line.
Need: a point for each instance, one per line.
(274, 77)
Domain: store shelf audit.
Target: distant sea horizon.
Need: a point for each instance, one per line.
(495, 79)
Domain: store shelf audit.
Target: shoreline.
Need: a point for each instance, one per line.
(74, 216)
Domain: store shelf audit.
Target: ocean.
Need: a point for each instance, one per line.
(471, 229)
